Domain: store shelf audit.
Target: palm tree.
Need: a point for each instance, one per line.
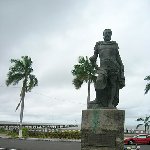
(84, 71)
(21, 71)
(147, 88)
(146, 123)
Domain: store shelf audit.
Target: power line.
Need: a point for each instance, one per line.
(41, 94)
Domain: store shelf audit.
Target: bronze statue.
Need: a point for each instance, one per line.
(110, 73)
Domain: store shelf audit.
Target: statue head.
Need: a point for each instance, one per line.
(107, 34)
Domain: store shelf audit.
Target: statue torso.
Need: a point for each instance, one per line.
(108, 52)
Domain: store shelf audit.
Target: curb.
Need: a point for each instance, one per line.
(42, 139)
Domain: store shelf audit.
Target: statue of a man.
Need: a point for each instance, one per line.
(110, 73)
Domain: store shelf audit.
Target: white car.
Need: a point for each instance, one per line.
(133, 147)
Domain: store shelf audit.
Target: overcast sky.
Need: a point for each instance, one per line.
(54, 33)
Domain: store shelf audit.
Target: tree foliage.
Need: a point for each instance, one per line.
(21, 70)
(84, 71)
(147, 88)
(146, 123)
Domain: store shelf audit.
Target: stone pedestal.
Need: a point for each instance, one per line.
(102, 129)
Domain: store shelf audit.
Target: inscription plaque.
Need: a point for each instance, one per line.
(101, 140)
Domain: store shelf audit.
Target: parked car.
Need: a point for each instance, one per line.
(138, 139)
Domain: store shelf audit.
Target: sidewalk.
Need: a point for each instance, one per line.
(4, 136)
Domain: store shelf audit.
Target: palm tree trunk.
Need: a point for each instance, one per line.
(145, 128)
(88, 97)
(21, 118)
(22, 109)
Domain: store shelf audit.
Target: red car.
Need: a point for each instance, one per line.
(138, 139)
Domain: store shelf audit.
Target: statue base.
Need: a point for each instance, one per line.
(95, 105)
(102, 129)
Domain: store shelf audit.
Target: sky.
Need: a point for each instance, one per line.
(54, 33)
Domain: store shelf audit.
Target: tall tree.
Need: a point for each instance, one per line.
(147, 88)
(21, 70)
(84, 71)
(146, 123)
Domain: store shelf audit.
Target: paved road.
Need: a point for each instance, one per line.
(39, 145)
(143, 147)
(45, 145)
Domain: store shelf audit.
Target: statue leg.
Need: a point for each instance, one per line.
(113, 81)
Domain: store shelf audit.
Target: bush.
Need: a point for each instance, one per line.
(2, 130)
(25, 132)
(56, 134)
(13, 133)
(39, 134)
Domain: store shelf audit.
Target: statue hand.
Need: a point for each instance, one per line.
(92, 59)
(121, 83)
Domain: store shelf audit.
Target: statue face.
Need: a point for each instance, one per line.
(107, 35)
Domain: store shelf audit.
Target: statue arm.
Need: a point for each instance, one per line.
(122, 77)
(119, 58)
(120, 61)
(94, 57)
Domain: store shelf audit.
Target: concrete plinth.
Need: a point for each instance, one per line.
(102, 129)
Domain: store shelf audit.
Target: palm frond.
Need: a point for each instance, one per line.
(32, 82)
(18, 105)
(138, 126)
(147, 88)
(84, 70)
(13, 78)
(81, 60)
(27, 64)
(147, 78)
(146, 124)
(140, 119)
(148, 127)
(17, 65)
(77, 83)
(93, 78)
(147, 118)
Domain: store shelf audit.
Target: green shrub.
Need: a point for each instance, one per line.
(56, 134)
(13, 134)
(2, 130)
(25, 132)
(67, 134)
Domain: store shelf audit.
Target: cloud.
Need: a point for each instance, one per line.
(54, 34)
